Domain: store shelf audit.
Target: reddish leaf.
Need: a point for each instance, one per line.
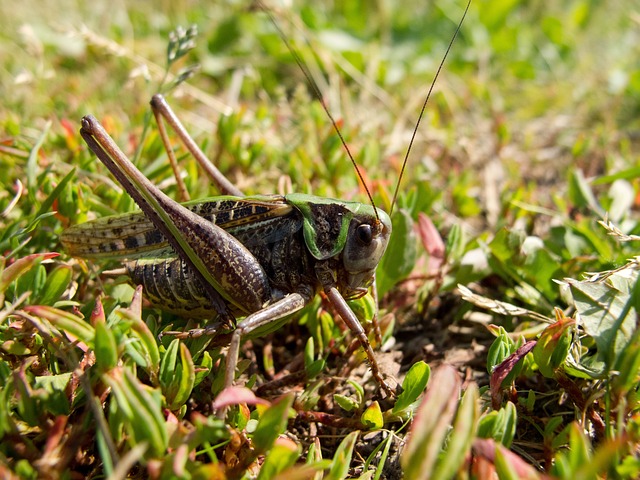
(432, 242)
(237, 395)
(502, 370)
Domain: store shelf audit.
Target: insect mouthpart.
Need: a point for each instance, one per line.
(366, 243)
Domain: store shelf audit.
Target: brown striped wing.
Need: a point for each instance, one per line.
(133, 235)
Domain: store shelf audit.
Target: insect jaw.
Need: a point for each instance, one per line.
(366, 243)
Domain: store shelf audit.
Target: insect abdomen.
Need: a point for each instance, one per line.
(169, 283)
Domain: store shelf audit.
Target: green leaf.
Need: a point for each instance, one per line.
(342, 458)
(14, 271)
(315, 368)
(7, 423)
(283, 455)
(372, 417)
(363, 307)
(55, 400)
(622, 198)
(505, 468)
(168, 364)
(413, 385)
(187, 377)
(553, 345)
(461, 438)
(33, 281)
(148, 343)
(204, 367)
(348, 404)
(499, 425)
(25, 469)
(455, 244)
(177, 378)
(68, 323)
(32, 163)
(309, 353)
(57, 282)
(106, 348)
(312, 366)
(628, 365)
(27, 404)
(582, 195)
(500, 349)
(53, 196)
(568, 462)
(359, 389)
(431, 424)
(142, 409)
(606, 313)
(272, 423)
(400, 257)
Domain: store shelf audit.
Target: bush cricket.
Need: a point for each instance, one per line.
(254, 258)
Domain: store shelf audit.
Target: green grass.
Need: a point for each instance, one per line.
(530, 139)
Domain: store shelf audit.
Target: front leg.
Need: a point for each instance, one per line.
(347, 315)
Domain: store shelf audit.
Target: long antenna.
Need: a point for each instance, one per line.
(316, 91)
(424, 106)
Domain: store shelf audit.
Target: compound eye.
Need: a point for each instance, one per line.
(364, 234)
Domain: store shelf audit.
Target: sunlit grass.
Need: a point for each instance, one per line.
(529, 140)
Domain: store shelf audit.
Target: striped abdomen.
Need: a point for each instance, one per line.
(169, 284)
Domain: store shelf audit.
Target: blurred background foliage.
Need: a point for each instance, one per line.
(531, 137)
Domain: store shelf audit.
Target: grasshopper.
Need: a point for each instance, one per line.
(256, 258)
